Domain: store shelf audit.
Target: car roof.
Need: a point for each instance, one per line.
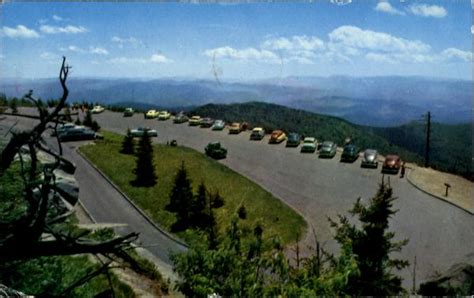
(310, 139)
(328, 143)
(277, 131)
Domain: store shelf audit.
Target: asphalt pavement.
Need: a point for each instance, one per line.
(440, 234)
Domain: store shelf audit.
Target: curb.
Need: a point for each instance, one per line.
(161, 230)
(433, 195)
(87, 211)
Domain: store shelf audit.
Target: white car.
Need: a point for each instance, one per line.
(139, 132)
(164, 115)
(97, 109)
(309, 145)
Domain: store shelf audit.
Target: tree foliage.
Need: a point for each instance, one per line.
(145, 168)
(238, 264)
(128, 144)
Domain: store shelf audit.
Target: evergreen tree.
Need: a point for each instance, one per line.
(78, 121)
(181, 198)
(88, 119)
(145, 168)
(371, 245)
(216, 200)
(242, 212)
(199, 212)
(95, 126)
(128, 144)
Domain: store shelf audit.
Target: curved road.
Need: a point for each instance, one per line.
(440, 234)
(105, 204)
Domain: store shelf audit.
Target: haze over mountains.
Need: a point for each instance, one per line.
(377, 101)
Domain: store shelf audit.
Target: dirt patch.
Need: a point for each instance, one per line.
(460, 193)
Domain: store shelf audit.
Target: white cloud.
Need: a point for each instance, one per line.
(425, 10)
(2, 57)
(155, 58)
(377, 57)
(159, 58)
(472, 28)
(356, 38)
(67, 29)
(48, 56)
(453, 53)
(91, 50)
(303, 42)
(385, 6)
(57, 18)
(19, 32)
(243, 55)
(341, 2)
(121, 42)
(98, 51)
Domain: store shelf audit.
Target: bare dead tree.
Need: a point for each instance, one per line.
(22, 238)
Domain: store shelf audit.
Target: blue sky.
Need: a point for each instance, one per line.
(238, 41)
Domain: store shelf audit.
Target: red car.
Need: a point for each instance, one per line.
(277, 136)
(392, 164)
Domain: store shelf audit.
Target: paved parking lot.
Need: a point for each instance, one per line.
(440, 234)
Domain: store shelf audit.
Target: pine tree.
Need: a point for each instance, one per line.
(128, 144)
(145, 168)
(216, 200)
(78, 121)
(199, 215)
(88, 119)
(14, 105)
(67, 114)
(181, 198)
(371, 245)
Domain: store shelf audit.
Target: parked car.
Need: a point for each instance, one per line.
(206, 122)
(63, 127)
(235, 128)
(97, 109)
(370, 159)
(77, 134)
(257, 133)
(151, 114)
(195, 121)
(350, 153)
(180, 118)
(215, 150)
(328, 149)
(139, 132)
(277, 136)
(309, 145)
(218, 125)
(164, 115)
(392, 164)
(294, 140)
(128, 112)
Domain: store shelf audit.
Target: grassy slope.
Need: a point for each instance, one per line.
(261, 206)
(451, 144)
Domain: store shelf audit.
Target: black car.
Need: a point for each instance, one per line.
(350, 153)
(77, 134)
(294, 140)
(215, 150)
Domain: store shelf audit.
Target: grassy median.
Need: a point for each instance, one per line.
(276, 217)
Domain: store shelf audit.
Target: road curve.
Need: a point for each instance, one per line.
(440, 234)
(106, 204)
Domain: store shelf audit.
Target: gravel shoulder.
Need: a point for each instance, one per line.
(460, 193)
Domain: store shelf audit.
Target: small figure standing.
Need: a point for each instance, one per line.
(402, 172)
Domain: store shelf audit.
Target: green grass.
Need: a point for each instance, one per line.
(276, 217)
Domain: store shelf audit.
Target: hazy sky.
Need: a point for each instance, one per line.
(238, 41)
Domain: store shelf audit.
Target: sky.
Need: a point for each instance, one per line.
(238, 41)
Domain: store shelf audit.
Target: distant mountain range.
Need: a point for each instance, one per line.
(378, 101)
